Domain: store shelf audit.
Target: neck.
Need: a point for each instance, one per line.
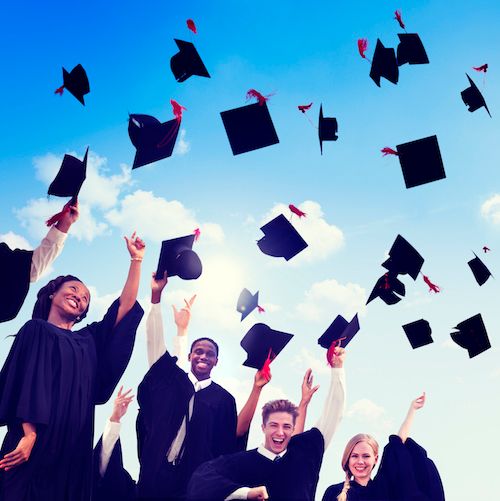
(59, 321)
(200, 377)
(362, 481)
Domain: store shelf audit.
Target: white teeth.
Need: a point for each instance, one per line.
(72, 302)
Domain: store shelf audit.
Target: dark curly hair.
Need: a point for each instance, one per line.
(44, 301)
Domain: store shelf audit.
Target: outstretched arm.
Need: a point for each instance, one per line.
(308, 390)
(247, 412)
(416, 404)
(182, 318)
(155, 340)
(128, 296)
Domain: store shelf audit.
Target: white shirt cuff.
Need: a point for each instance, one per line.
(240, 493)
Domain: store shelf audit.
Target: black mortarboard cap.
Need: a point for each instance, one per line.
(76, 82)
(70, 177)
(327, 129)
(389, 289)
(411, 49)
(281, 239)
(153, 140)
(247, 302)
(479, 270)
(15, 266)
(403, 259)
(259, 340)
(473, 98)
(472, 335)
(338, 329)
(421, 161)
(187, 62)
(384, 64)
(178, 258)
(418, 333)
(249, 128)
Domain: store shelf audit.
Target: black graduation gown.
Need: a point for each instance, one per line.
(405, 474)
(15, 270)
(163, 397)
(53, 378)
(293, 478)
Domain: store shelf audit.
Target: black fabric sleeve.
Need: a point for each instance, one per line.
(311, 446)
(225, 441)
(332, 492)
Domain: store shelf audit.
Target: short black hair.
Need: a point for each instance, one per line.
(205, 339)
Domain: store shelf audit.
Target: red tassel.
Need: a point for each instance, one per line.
(388, 151)
(483, 68)
(399, 19)
(177, 109)
(191, 25)
(304, 107)
(56, 217)
(297, 211)
(362, 47)
(486, 249)
(59, 90)
(266, 368)
(197, 234)
(330, 354)
(387, 285)
(260, 309)
(252, 93)
(432, 287)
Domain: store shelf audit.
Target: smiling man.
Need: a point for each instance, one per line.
(286, 467)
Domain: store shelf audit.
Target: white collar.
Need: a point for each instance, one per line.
(269, 454)
(199, 385)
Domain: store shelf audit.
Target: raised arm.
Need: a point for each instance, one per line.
(404, 430)
(247, 412)
(182, 318)
(128, 296)
(155, 340)
(308, 390)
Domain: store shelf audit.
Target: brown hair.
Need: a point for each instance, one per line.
(279, 406)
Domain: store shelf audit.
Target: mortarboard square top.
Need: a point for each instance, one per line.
(187, 62)
(384, 64)
(249, 128)
(411, 50)
(178, 259)
(259, 340)
(404, 259)
(327, 128)
(70, 177)
(281, 239)
(76, 82)
(472, 335)
(247, 302)
(418, 333)
(339, 328)
(473, 98)
(389, 289)
(479, 270)
(421, 161)
(152, 139)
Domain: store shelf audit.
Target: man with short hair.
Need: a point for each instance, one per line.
(286, 467)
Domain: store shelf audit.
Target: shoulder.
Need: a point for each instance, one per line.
(333, 491)
(222, 392)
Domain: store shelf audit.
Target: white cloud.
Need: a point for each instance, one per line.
(322, 238)
(370, 416)
(15, 241)
(490, 209)
(329, 297)
(450, 344)
(182, 146)
(306, 360)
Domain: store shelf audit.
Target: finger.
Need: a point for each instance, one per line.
(126, 393)
(133, 236)
(191, 301)
(315, 389)
(120, 391)
(188, 305)
(307, 375)
(12, 455)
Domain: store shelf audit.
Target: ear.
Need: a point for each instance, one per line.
(376, 459)
(216, 360)
(189, 357)
(263, 426)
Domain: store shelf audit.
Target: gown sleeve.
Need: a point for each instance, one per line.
(225, 434)
(114, 346)
(26, 377)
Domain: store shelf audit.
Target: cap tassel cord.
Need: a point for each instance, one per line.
(57, 217)
(330, 354)
(399, 19)
(363, 47)
(177, 110)
(432, 287)
(59, 90)
(266, 368)
(389, 151)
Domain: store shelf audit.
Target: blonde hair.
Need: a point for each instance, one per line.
(360, 437)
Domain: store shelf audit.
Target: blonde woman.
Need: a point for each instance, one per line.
(405, 472)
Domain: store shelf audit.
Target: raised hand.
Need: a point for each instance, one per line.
(120, 405)
(157, 286)
(338, 359)
(260, 380)
(69, 215)
(183, 316)
(418, 403)
(135, 246)
(308, 390)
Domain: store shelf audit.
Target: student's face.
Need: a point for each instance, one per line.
(71, 300)
(361, 462)
(278, 431)
(203, 359)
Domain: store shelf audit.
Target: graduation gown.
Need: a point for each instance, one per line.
(163, 398)
(293, 478)
(53, 378)
(405, 474)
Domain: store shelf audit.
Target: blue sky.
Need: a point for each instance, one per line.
(356, 200)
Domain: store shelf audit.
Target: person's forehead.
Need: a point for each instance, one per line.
(79, 285)
(204, 344)
(362, 447)
(280, 417)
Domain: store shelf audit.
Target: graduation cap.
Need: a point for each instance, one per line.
(187, 62)
(152, 139)
(327, 128)
(389, 289)
(261, 342)
(75, 82)
(70, 177)
(249, 128)
(384, 64)
(418, 333)
(15, 266)
(178, 258)
(411, 50)
(281, 239)
(472, 335)
(479, 270)
(473, 98)
(247, 302)
(403, 259)
(339, 329)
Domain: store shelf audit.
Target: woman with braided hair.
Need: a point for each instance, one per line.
(405, 472)
(51, 381)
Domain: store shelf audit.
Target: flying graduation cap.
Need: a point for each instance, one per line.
(75, 82)
(247, 302)
(327, 128)
(339, 333)
(178, 258)
(418, 333)
(411, 50)
(281, 239)
(389, 289)
(403, 259)
(472, 336)
(384, 64)
(473, 98)
(187, 62)
(479, 270)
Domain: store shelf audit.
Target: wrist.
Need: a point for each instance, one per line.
(138, 259)
(182, 331)
(114, 419)
(155, 297)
